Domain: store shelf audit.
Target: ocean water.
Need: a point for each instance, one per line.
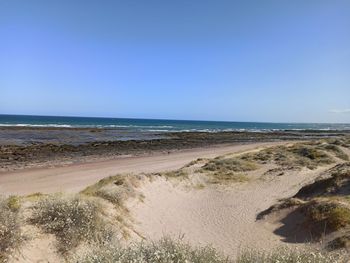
(152, 125)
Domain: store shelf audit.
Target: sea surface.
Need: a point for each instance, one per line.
(158, 126)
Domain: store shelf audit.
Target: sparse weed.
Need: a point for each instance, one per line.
(164, 251)
(284, 255)
(181, 173)
(296, 156)
(225, 170)
(72, 219)
(115, 189)
(10, 228)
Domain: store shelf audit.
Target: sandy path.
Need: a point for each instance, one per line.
(225, 218)
(75, 177)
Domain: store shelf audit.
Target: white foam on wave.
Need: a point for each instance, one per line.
(35, 125)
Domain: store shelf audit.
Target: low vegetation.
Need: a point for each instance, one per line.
(325, 216)
(227, 169)
(335, 149)
(229, 164)
(176, 251)
(72, 219)
(115, 189)
(164, 251)
(290, 256)
(309, 155)
(343, 141)
(336, 184)
(296, 156)
(340, 242)
(181, 173)
(11, 235)
(325, 206)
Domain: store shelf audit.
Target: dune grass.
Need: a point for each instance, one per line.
(340, 242)
(226, 170)
(296, 156)
(325, 206)
(11, 236)
(343, 141)
(115, 189)
(229, 164)
(283, 255)
(72, 219)
(335, 149)
(169, 250)
(325, 216)
(166, 250)
(181, 173)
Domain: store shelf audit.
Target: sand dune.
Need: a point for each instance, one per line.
(224, 217)
(187, 202)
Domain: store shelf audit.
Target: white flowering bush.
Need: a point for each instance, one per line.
(10, 232)
(164, 251)
(285, 255)
(72, 219)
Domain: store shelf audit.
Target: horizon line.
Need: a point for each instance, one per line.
(162, 119)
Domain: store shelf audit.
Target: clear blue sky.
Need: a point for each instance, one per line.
(280, 61)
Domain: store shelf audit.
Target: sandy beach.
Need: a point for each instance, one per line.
(179, 194)
(75, 177)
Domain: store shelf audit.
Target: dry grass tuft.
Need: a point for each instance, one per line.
(195, 162)
(324, 205)
(336, 150)
(324, 217)
(340, 242)
(181, 173)
(343, 141)
(297, 156)
(72, 219)
(176, 251)
(227, 177)
(338, 184)
(284, 255)
(164, 251)
(115, 189)
(10, 231)
(226, 170)
(229, 165)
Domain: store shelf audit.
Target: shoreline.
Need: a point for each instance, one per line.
(74, 177)
(37, 147)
